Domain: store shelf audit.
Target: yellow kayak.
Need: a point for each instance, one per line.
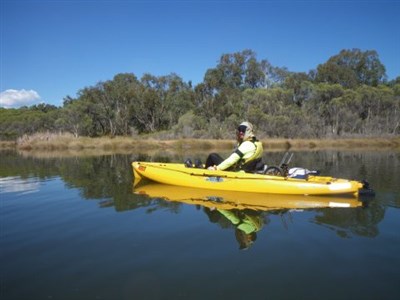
(180, 175)
(240, 200)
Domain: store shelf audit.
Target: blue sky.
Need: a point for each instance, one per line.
(52, 49)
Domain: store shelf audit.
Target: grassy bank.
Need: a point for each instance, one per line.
(57, 142)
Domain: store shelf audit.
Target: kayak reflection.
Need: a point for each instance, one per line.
(245, 212)
(241, 200)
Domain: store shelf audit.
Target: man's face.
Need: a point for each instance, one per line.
(241, 130)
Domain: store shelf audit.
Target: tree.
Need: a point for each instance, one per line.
(344, 112)
(74, 118)
(300, 84)
(379, 109)
(239, 70)
(349, 94)
(16, 122)
(123, 90)
(161, 101)
(318, 107)
(110, 104)
(351, 68)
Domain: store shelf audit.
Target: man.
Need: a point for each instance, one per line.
(246, 156)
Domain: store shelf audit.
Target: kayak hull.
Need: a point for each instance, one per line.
(229, 200)
(179, 175)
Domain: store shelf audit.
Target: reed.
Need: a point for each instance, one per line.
(59, 142)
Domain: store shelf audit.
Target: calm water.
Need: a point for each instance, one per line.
(73, 228)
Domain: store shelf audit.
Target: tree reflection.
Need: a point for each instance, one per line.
(346, 223)
(108, 179)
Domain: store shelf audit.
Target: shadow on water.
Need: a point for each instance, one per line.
(109, 180)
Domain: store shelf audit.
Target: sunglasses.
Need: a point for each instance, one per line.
(242, 128)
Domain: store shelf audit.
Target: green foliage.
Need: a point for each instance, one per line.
(190, 126)
(347, 95)
(351, 68)
(74, 118)
(17, 122)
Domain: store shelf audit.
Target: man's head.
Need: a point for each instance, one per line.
(244, 131)
(245, 240)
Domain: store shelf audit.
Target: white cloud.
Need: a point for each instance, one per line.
(16, 98)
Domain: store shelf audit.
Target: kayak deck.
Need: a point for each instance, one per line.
(179, 175)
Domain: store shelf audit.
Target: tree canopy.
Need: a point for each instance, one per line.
(349, 94)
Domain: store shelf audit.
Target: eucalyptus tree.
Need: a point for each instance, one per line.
(273, 112)
(110, 104)
(15, 122)
(255, 73)
(219, 96)
(345, 113)
(300, 85)
(379, 110)
(12, 123)
(239, 70)
(318, 107)
(179, 96)
(276, 76)
(99, 111)
(74, 118)
(161, 101)
(123, 90)
(351, 68)
(396, 100)
(366, 110)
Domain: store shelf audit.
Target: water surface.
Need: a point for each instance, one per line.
(74, 228)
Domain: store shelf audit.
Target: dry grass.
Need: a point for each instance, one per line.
(5, 145)
(345, 143)
(67, 142)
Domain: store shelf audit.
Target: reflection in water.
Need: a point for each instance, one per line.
(58, 242)
(16, 184)
(248, 213)
(109, 180)
(246, 223)
(359, 222)
(241, 200)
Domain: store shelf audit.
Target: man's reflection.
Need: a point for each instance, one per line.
(246, 223)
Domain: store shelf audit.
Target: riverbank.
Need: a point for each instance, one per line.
(54, 142)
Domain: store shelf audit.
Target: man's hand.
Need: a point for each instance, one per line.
(212, 168)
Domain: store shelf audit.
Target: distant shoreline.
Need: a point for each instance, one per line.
(55, 142)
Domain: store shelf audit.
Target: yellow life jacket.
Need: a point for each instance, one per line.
(257, 154)
(249, 164)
